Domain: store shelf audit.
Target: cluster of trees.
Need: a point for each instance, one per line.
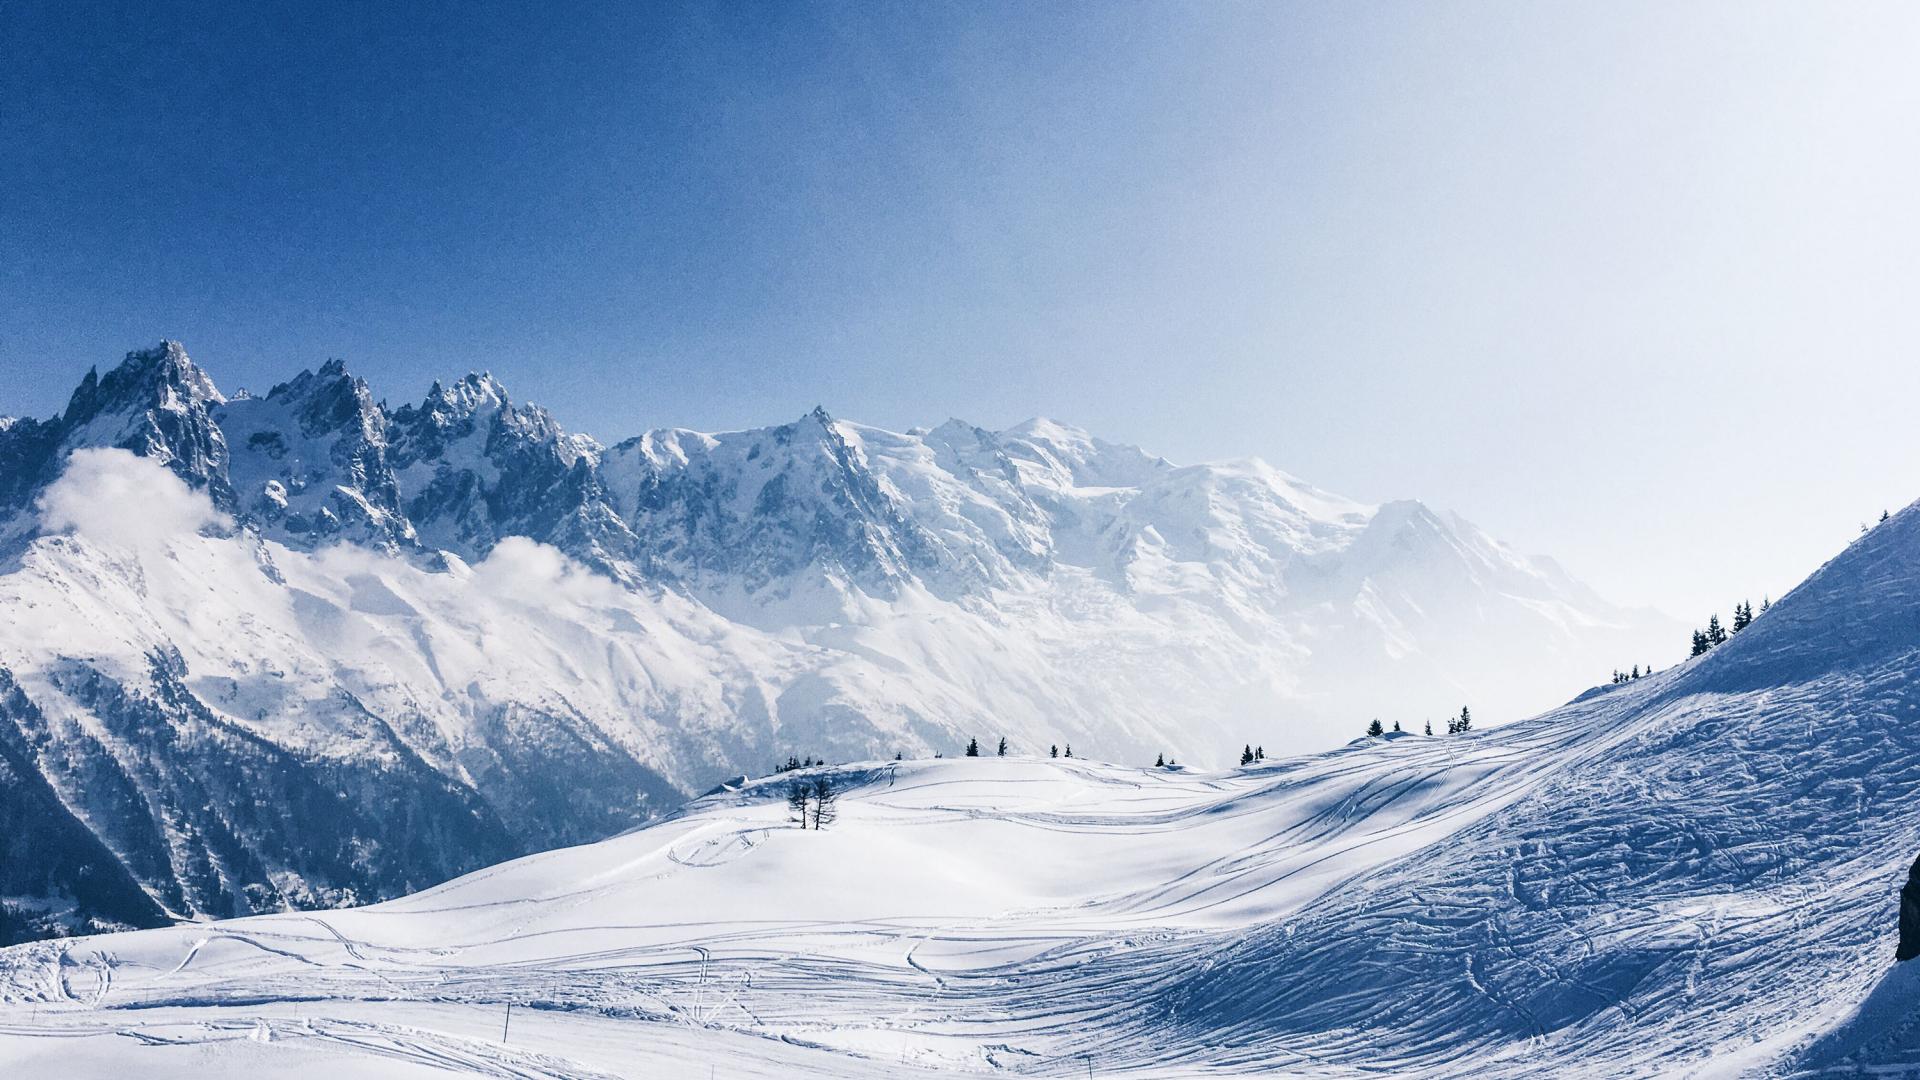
(793, 763)
(972, 748)
(1161, 761)
(1455, 725)
(1251, 753)
(1054, 751)
(1715, 634)
(810, 802)
(1628, 676)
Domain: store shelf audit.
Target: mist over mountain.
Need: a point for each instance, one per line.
(306, 649)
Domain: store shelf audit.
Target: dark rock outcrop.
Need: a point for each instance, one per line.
(1910, 916)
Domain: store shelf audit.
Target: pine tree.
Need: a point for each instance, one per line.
(899, 755)
(1003, 746)
(1699, 643)
(973, 747)
(1246, 754)
(1160, 761)
(1396, 725)
(1636, 671)
(1742, 616)
(1716, 634)
(1259, 753)
(1069, 749)
(1429, 727)
(1466, 719)
(1054, 750)
(1765, 603)
(1884, 515)
(1375, 729)
(798, 794)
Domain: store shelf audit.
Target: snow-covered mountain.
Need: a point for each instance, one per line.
(1688, 875)
(303, 649)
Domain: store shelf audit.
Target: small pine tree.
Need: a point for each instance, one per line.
(1699, 644)
(1765, 603)
(1742, 616)
(1160, 761)
(1884, 515)
(1054, 750)
(899, 755)
(798, 795)
(1716, 634)
(1069, 749)
(1636, 671)
(1246, 754)
(1396, 725)
(973, 747)
(1375, 729)
(1466, 719)
(1003, 746)
(1259, 753)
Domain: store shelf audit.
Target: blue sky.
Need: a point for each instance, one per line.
(1632, 285)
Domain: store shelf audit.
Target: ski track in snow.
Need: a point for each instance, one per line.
(1693, 874)
(1498, 904)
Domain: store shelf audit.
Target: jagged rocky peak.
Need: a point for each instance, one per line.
(309, 461)
(160, 377)
(753, 508)
(155, 404)
(474, 468)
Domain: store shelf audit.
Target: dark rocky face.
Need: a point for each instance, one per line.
(1910, 916)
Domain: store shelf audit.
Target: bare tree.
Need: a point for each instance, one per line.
(823, 799)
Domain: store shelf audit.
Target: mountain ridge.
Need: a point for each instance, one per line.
(548, 639)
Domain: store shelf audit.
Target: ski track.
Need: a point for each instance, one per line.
(1677, 877)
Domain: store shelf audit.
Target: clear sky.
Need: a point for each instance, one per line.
(1634, 285)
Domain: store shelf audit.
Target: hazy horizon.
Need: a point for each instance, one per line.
(1630, 288)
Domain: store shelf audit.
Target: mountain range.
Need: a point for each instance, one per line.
(1693, 874)
(304, 650)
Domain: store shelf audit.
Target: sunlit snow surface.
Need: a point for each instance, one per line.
(1685, 876)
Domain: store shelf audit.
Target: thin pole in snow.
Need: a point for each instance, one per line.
(507, 1023)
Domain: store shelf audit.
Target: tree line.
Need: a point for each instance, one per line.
(1455, 725)
(1716, 635)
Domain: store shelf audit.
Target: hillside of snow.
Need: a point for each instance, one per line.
(1692, 874)
(303, 649)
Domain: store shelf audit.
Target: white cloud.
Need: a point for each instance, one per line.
(528, 571)
(116, 498)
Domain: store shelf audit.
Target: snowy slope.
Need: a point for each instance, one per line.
(525, 638)
(1689, 875)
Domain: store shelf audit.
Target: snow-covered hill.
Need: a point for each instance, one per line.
(303, 649)
(1693, 874)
